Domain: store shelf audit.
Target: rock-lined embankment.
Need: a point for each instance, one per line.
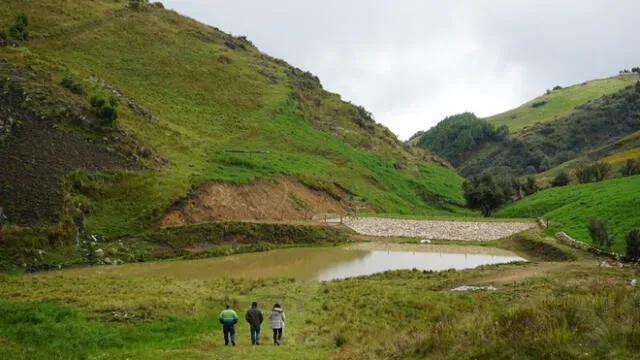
(437, 230)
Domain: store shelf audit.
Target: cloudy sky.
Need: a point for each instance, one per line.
(411, 63)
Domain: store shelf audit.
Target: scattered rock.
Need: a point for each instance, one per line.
(633, 282)
(425, 241)
(439, 230)
(474, 288)
(108, 261)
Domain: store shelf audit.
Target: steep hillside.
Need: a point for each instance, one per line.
(569, 208)
(189, 98)
(560, 102)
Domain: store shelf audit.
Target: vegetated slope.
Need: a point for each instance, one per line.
(187, 94)
(544, 145)
(616, 154)
(459, 136)
(569, 208)
(561, 102)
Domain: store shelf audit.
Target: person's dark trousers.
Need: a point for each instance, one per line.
(229, 332)
(255, 335)
(277, 336)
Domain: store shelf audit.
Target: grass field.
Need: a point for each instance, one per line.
(561, 102)
(554, 310)
(569, 208)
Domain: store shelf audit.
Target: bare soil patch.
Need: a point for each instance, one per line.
(284, 199)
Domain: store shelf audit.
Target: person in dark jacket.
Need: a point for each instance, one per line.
(228, 318)
(254, 318)
(277, 319)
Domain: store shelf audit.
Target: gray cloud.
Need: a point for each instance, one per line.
(411, 63)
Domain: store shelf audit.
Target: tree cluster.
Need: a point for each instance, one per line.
(455, 137)
(595, 172)
(631, 167)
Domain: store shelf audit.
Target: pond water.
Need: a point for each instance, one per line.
(311, 263)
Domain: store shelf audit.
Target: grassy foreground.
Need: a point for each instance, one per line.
(569, 208)
(553, 310)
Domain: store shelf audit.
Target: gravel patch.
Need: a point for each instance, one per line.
(437, 230)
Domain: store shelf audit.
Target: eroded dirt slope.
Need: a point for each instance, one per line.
(282, 199)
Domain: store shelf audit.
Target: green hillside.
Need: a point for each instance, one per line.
(592, 130)
(569, 208)
(561, 102)
(187, 93)
(615, 153)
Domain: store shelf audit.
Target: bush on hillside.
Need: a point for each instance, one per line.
(557, 87)
(595, 172)
(105, 109)
(632, 239)
(488, 192)
(529, 186)
(631, 167)
(72, 85)
(20, 30)
(599, 232)
(561, 179)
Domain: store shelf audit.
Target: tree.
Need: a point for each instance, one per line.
(488, 192)
(599, 232)
(561, 179)
(19, 30)
(632, 239)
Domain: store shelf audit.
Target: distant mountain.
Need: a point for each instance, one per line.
(585, 122)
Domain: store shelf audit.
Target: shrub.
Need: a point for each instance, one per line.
(539, 103)
(632, 239)
(601, 170)
(584, 174)
(105, 109)
(73, 86)
(158, 4)
(557, 87)
(631, 167)
(20, 30)
(599, 232)
(561, 179)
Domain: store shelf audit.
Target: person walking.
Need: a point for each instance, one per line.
(277, 319)
(254, 318)
(228, 318)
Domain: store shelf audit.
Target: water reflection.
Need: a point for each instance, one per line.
(380, 261)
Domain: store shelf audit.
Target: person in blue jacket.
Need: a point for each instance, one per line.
(228, 318)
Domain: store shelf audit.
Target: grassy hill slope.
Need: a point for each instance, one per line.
(562, 102)
(569, 208)
(205, 92)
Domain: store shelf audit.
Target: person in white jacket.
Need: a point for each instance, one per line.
(277, 318)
